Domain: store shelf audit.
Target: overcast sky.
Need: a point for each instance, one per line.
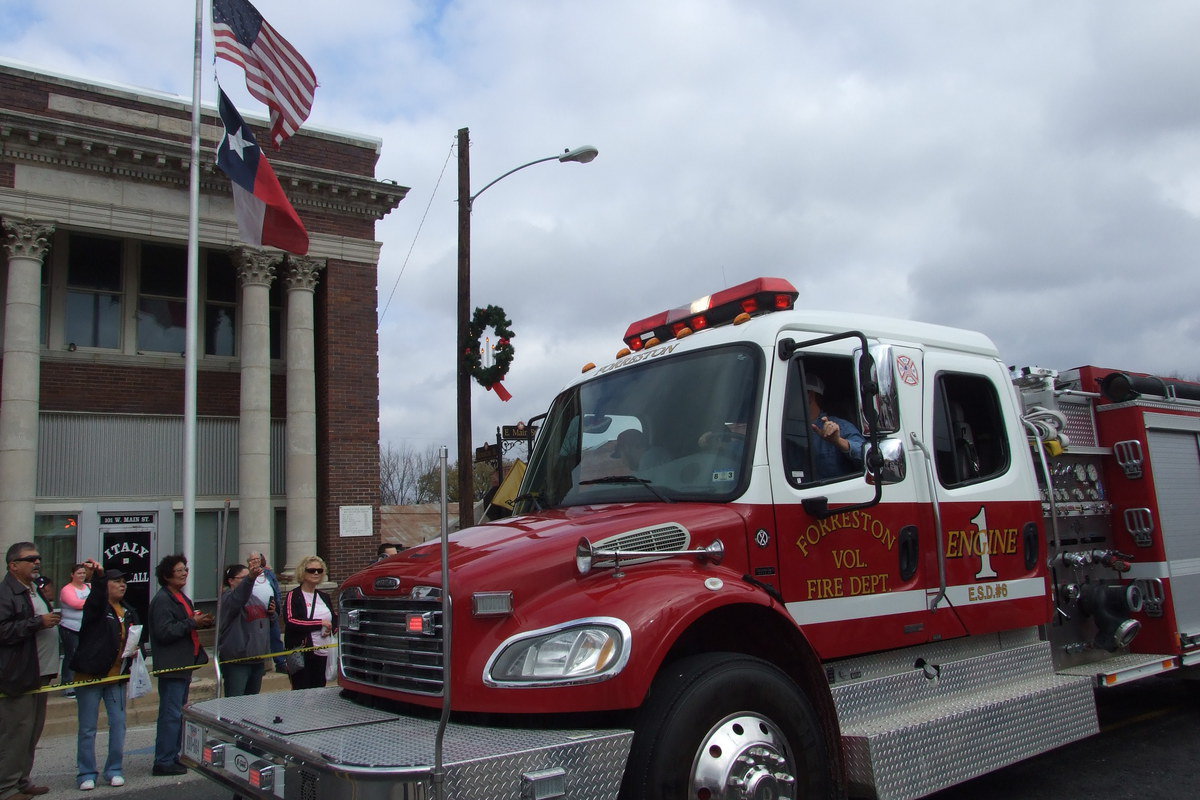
(1027, 169)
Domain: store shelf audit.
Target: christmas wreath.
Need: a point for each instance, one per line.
(490, 377)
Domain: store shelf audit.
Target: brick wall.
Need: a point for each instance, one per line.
(347, 410)
(116, 389)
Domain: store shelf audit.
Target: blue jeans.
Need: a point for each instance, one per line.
(243, 678)
(88, 701)
(172, 697)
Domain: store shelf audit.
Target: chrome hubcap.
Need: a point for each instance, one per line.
(744, 757)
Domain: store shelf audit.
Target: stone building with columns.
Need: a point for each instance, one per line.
(93, 285)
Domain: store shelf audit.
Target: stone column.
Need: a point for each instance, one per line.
(301, 277)
(256, 270)
(27, 243)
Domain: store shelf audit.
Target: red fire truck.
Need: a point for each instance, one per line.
(764, 553)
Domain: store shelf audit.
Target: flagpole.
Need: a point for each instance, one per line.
(193, 285)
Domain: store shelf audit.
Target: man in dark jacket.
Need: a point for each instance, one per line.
(20, 711)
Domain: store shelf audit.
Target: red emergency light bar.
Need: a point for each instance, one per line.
(759, 296)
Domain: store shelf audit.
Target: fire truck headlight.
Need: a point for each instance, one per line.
(581, 651)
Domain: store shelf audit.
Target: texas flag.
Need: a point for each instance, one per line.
(264, 215)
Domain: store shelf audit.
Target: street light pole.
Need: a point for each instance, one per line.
(466, 463)
(466, 471)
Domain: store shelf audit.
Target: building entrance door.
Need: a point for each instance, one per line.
(127, 540)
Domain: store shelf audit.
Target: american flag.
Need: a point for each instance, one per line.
(275, 73)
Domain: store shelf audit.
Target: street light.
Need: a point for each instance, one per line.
(466, 200)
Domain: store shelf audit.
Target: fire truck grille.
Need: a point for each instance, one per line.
(664, 538)
(383, 653)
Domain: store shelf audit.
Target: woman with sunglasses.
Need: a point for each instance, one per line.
(309, 615)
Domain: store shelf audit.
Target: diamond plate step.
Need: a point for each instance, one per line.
(906, 734)
(1115, 670)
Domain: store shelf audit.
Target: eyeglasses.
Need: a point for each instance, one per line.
(314, 570)
(29, 559)
(181, 570)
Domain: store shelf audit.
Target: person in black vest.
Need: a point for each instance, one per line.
(22, 713)
(175, 641)
(103, 635)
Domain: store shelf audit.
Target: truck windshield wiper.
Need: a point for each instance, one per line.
(536, 497)
(618, 479)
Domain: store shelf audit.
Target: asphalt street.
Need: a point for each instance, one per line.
(55, 768)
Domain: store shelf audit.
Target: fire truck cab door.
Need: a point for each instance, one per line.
(858, 580)
(985, 494)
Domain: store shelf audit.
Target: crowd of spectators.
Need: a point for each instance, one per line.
(93, 638)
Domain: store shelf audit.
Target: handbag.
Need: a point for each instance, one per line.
(293, 663)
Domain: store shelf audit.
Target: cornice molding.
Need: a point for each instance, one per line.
(159, 223)
(62, 144)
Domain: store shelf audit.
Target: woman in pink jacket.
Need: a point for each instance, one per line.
(71, 600)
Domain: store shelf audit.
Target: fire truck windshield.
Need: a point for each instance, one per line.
(669, 428)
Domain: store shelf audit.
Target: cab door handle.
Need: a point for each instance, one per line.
(909, 551)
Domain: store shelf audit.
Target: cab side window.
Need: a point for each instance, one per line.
(822, 439)
(970, 444)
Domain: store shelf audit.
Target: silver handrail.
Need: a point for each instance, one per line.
(937, 518)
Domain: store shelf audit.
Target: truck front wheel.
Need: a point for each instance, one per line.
(723, 726)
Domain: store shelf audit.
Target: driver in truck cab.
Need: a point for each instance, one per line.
(837, 444)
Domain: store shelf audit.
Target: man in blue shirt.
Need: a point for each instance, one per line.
(837, 443)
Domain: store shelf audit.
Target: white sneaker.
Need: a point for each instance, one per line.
(116, 780)
(87, 786)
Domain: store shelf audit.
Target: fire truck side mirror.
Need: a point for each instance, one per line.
(884, 400)
(868, 387)
(885, 462)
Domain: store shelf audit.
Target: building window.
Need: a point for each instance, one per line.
(130, 296)
(207, 568)
(44, 323)
(55, 535)
(275, 302)
(162, 300)
(220, 310)
(94, 292)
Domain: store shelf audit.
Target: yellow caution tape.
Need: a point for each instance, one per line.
(58, 687)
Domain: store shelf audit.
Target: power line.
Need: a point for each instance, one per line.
(404, 266)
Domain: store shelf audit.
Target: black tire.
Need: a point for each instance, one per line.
(706, 711)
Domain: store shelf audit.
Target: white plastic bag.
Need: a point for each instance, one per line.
(139, 678)
(331, 662)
